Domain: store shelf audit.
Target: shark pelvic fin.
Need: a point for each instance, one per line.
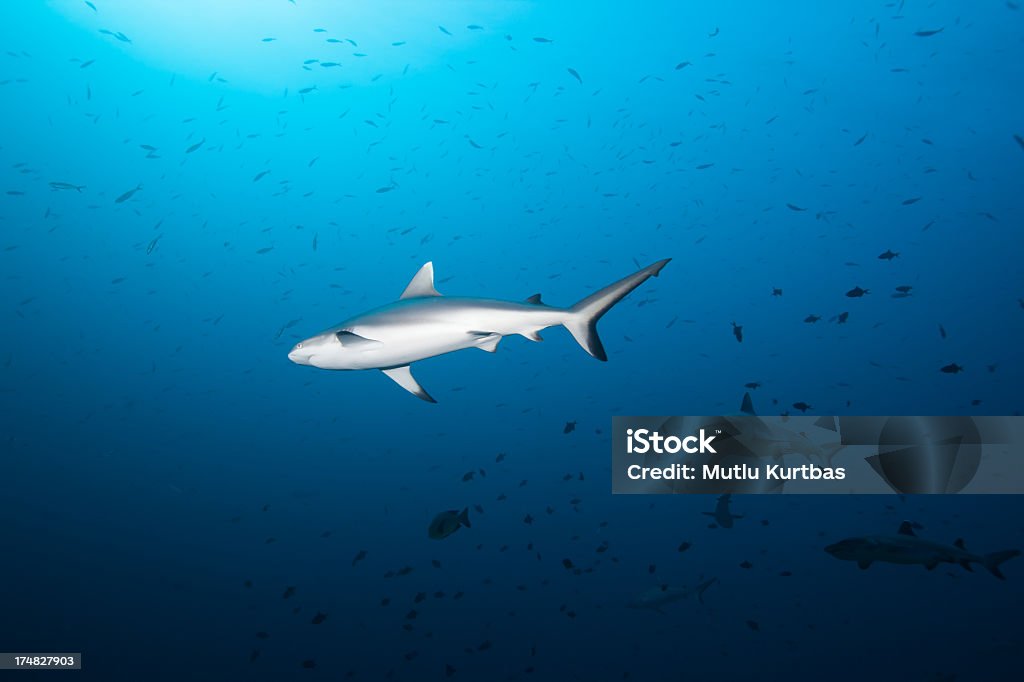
(487, 341)
(404, 378)
(422, 284)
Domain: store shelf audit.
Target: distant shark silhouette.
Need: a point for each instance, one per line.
(423, 324)
(657, 598)
(906, 548)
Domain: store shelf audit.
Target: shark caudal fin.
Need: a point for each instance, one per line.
(992, 561)
(582, 318)
(702, 587)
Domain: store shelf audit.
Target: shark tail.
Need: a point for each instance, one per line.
(582, 318)
(464, 518)
(992, 561)
(702, 587)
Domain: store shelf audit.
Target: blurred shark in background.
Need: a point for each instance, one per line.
(906, 548)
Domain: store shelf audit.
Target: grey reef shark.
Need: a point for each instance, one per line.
(422, 324)
(907, 548)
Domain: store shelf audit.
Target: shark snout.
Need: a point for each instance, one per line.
(299, 356)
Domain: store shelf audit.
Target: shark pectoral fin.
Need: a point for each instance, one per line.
(422, 284)
(967, 565)
(907, 528)
(863, 564)
(487, 341)
(404, 378)
(931, 564)
(356, 342)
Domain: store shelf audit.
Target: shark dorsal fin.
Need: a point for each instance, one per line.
(959, 544)
(535, 300)
(907, 528)
(422, 284)
(747, 407)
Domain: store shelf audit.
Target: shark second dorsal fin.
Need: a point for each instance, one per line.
(907, 528)
(422, 284)
(404, 378)
(747, 407)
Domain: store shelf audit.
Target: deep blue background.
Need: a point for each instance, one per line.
(154, 437)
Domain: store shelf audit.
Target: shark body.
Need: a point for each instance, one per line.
(906, 548)
(423, 324)
(657, 598)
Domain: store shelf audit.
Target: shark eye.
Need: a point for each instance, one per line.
(298, 345)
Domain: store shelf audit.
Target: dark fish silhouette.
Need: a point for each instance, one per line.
(127, 195)
(569, 427)
(737, 331)
(802, 406)
(951, 368)
(856, 292)
(888, 255)
(447, 522)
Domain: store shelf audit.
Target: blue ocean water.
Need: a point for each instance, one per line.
(190, 188)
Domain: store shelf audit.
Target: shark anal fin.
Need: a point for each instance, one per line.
(404, 378)
(533, 335)
(863, 564)
(931, 564)
(422, 283)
